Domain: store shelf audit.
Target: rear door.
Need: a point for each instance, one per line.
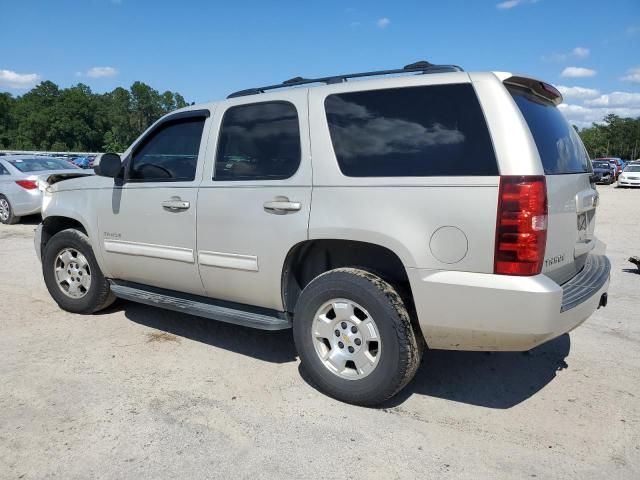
(571, 197)
(255, 198)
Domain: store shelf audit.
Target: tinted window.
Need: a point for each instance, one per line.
(258, 142)
(170, 153)
(418, 131)
(558, 143)
(3, 171)
(601, 165)
(40, 164)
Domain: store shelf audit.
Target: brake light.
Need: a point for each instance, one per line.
(27, 184)
(521, 226)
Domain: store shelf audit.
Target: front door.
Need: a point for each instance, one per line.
(148, 221)
(253, 207)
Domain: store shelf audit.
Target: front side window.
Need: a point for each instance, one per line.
(260, 141)
(170, 153)
(424, 131)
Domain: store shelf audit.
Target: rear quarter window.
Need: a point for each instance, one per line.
(558, 143)
(425, 131)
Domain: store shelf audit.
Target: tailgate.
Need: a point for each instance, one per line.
(570, 233)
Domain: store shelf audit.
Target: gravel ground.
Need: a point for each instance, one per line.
(138, 392)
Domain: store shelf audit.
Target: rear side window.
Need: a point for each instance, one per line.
(410, 132)
(170, 153)
(559, 145)
(3, 171)
(260, 141)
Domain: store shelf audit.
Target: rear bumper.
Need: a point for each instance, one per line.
(476, 311)
(602, 178)
(26, 202)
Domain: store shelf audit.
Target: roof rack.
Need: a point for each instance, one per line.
(417, 67)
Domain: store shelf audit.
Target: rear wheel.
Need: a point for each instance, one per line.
(354, 337)
(6, 212)
(72, 274)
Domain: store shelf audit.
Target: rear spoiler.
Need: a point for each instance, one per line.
(538, 88)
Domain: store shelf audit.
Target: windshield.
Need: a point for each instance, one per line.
(632, 168)
(39, 164)
(601, 165)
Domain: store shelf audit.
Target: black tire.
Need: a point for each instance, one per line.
(11, 219)
(98, 295)
(401, 351)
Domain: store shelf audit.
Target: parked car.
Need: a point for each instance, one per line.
(630, 176)
(602, 172)
(443, 213)
(22, 179)
(617, 164)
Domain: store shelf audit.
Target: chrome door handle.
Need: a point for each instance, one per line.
(281, 206)
(175, 204)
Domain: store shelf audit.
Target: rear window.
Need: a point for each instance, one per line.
(40, 164)
(259, 141)
(410, 132)
(559, 145)
(601, 165)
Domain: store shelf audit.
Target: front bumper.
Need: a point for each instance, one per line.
(477, 311)
(37, 241)
(628, 182)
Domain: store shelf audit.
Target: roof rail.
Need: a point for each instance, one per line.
(417, 67)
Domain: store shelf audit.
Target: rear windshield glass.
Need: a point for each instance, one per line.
(39, 164)
(415, 131)
(558, 143)
(601, 165)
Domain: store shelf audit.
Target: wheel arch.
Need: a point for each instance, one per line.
(310, 258)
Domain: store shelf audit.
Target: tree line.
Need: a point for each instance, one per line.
(50, 118)
(615, 137)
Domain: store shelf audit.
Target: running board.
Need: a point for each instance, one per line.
(237, 314)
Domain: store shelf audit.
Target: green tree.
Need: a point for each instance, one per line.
(48, 117)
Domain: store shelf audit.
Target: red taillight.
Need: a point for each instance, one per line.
(27, 184)
(521, 227)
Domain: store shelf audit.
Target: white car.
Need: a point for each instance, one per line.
(412, 207)
(630, 176)
(22, 180)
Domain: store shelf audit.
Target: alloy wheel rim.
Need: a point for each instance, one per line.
(72, 272)
(346, 339)
(4, 209)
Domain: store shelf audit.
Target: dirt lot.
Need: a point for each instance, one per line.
(137, 392)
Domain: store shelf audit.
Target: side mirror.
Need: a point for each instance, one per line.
(108, 165)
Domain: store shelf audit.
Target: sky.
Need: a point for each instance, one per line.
(589, 49)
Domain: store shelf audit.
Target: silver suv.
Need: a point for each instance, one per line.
(423, 207)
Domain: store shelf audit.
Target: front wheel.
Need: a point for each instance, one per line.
(72, 274)
(354, 337)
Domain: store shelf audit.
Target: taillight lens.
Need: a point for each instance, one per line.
(27, 184)
(521, 227)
